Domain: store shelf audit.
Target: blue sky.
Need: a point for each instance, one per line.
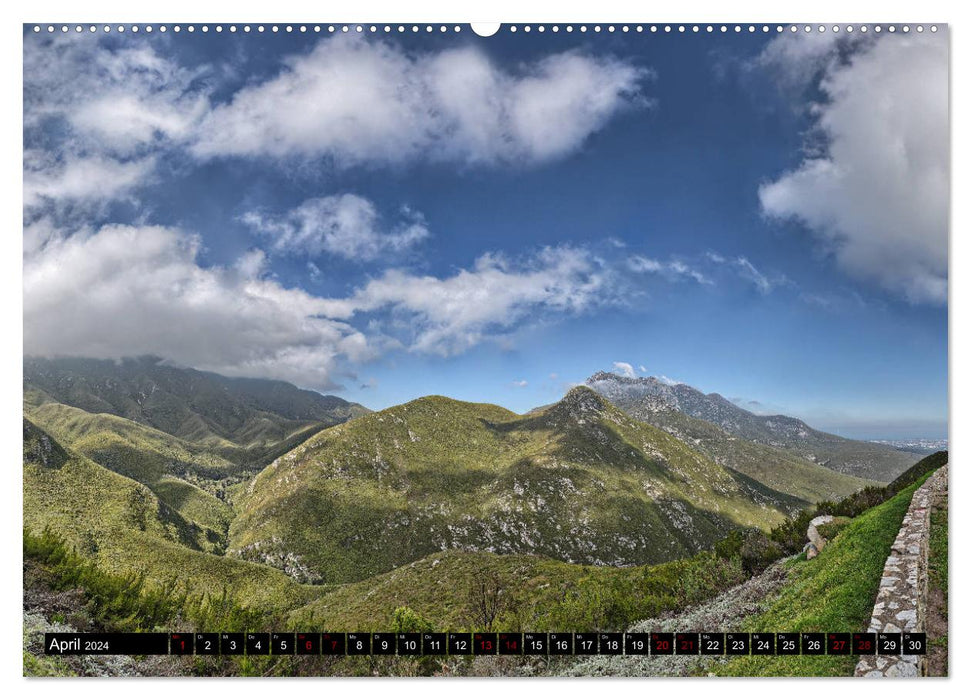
(385, 217)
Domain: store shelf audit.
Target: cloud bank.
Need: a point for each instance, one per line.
(127, 291)
(876, 197)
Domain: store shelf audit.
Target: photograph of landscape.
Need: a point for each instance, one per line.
(608, 331)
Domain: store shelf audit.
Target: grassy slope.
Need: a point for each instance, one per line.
(144, 454)
(123, 527)
(580, 482)
(832, 593)
(538, 594)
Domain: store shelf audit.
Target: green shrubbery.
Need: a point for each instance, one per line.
(125, 603)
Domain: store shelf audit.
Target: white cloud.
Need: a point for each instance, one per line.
(625, 368)
(877, 196)
(743, 267)
(124, 290)
(106, 114)
(748, 271)
(795, 60)
(673, 269)
(345, 225)
(448, 316)
(521, 383)
(82, 179)
(113, 101)
(358, 100)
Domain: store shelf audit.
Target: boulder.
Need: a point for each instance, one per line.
(813, 534)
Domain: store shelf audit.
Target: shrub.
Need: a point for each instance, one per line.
(404, 619)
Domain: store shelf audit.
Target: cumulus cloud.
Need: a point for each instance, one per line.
(446, 316)
(625, 369)
(125, 290)
(345, 225)
(356, 100)
(876, 197)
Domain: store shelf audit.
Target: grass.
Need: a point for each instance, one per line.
(832, 593)
(937, 570)
(937, 561)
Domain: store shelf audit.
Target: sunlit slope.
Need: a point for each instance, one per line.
(123, 527)
(580, 482)
(167, 465)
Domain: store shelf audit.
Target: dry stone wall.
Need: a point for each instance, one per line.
(902, 597)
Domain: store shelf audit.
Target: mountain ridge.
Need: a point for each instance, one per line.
(654, 401)
(581, 482)
(239, 418)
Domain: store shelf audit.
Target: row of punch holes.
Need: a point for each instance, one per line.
(512, 28)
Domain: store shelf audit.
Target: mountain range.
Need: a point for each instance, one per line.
(227, 480)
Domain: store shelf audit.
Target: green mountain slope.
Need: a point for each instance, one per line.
(175, 470)
(580, 482)
(249, 421)
(666, 405)
(123, 527)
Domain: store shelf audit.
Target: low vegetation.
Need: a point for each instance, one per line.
(833, 592)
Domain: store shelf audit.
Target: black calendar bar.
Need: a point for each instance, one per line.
(485, 643)
(129, 644)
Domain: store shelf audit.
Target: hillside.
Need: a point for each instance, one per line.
(123, 527)
(665, 405)
(248, 421)
(835, 592)
(580, 482)
(186, 477)
(444, 591)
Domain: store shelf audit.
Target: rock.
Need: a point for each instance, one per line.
(813, 534)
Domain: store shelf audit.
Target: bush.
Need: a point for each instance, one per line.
(758, 552)
(125, 603)
(832, 529)
(404, 619)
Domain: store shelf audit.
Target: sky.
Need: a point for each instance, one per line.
(386, 216)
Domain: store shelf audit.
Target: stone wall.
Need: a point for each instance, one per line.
(902, 597)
